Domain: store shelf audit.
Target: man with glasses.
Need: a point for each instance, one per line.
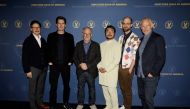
(86, 57)
(34, 61)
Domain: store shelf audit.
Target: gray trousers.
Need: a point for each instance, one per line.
(36, 87)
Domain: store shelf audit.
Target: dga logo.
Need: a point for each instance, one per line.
(185, 24)
(91, 24)
(154, 24)
(169, 24)
(119, 24)
(76, 24)
(46, 24)
(18, 23)
(105, 23)
(136, 24)
(4, 23)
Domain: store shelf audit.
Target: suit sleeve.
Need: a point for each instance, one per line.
(97, 59)
(160, 55)
(71, 49)
(49, 48)
(115, 62)
(75, 56)
(26, 57)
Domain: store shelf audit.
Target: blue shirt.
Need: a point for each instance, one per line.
(86, 46)
(141, 49)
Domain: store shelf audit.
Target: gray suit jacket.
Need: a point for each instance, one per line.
(93, 58)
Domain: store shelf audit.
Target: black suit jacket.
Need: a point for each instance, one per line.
(93, 58)
(154, 55)
(33, 55)
(68, 44)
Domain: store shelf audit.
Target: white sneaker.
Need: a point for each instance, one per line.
(79, 107)
(122, 107)
(93, 107)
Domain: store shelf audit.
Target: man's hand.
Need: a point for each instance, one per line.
(150, 75)
(29, 75)
(50, 63)
(130, 71)
(102, 70)
(83, 66)
(69, 63)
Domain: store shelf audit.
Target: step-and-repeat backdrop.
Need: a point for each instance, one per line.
(171, 19)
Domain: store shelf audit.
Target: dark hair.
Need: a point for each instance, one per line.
(33, 22)
(110, 26)
(128, 17)
(61, 18)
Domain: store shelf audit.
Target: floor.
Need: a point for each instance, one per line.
(25, 105)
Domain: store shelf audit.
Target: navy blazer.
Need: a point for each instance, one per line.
(33, 55)
(154, 55)
(68, 44)
(93, 58)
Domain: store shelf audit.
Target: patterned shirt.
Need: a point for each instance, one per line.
(129, 52)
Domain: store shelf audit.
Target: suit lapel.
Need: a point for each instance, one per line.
(89, 50)
(149, 42)
(35, 41)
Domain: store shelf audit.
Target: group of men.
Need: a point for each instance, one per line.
(114, 61)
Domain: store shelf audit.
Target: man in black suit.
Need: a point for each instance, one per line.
(86, 57)
(34, 61)
(60, 55)
(150, 59)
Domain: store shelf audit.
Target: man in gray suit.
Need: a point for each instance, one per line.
(86, 57)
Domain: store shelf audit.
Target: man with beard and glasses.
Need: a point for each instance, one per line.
(129, 43)
(108, 68)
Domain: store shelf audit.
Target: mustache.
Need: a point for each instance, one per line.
(109, 35)
(126, 29)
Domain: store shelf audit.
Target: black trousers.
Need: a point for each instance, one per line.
(147, 90)
(55, 72)
(36, 86)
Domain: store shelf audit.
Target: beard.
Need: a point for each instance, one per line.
(126, 29)
(109, 38)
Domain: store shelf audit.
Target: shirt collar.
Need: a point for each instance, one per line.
(128, 34)
(37, 37)
(87, 43)
(109, 41)
(148, 35)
